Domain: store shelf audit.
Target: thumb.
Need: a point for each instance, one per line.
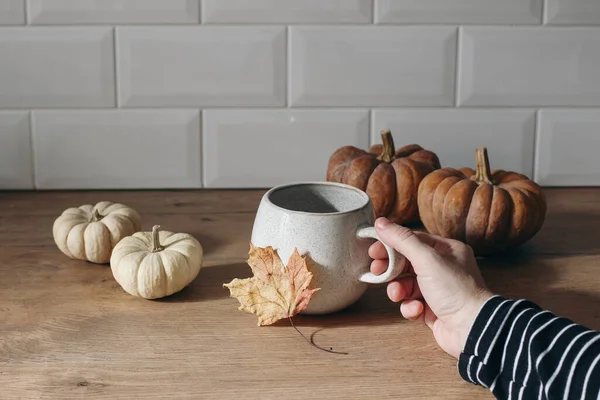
(405, 241)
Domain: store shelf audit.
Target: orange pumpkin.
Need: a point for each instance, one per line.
(491, 211)
(390, 177)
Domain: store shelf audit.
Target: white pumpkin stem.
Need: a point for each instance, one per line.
(155, 239)
(96, 216)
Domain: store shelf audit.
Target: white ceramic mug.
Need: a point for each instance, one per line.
(332, 223)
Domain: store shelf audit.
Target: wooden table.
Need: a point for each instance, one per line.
(68, 330)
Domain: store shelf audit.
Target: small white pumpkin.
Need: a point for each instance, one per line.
(156, 264)
(91, 232)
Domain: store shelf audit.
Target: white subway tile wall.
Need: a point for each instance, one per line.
(271, 147)
(56, 67)
(529, 66)
(12, 12)
(458, 11)
(120, 94)
(567, 148)
(573, 12)
(372, 66)
(455, 134)
(15, 150)
(202, 66)
(102, 149)
(287, 11)
(66, 12)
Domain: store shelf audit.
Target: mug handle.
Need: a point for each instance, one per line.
(393, 270)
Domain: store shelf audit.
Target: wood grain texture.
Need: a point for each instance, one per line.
(68, 331)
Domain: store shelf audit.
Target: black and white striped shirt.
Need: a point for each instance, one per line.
(520, 351)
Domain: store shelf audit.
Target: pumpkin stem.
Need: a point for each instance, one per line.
(96, 216)
(388, 151)
(483, 172)
(155, 239)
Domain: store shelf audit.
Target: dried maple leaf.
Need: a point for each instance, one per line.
(274, 292)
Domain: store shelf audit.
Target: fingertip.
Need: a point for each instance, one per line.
(378, 267)
(377, 250)
(373, 249)
(411, 309)
(395, 291)
(382, 222)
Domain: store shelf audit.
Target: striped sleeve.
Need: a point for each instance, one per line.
(520, 351)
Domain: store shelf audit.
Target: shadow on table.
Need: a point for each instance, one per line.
(582, 308)
(373, 308)
(210, 243)
(208, 285)
(568, 232)
(516, 269)
(519, 274)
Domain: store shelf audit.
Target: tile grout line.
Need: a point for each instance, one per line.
(544, 12)
(32, 149)
(201, 115)
(536, 140)
(305, 108)
(371, 128)
(368, 25)
(26, 12)
(115, 69)
(457, 66)
(288, 68)
(200, 13)
(373, 11)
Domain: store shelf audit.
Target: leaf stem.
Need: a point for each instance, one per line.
(329, 350)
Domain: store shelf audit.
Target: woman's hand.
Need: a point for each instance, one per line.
(447, 290)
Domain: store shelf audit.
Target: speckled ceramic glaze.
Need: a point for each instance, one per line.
(333, 224)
